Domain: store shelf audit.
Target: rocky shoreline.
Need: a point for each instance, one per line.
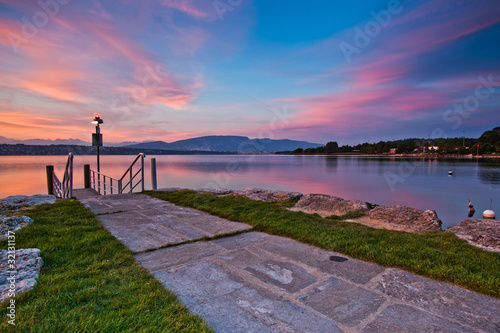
(19, 268)
(484, 234)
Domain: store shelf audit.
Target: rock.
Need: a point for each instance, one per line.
(13, 223)
(215, 191)
(16, 202)
(482, 233)
(28, 263)
(258, 194)
(327, 205)
(407, 218)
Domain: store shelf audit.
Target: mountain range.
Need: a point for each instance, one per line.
(223, 143)
(227, 143)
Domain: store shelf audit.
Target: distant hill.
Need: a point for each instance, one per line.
(227, 143)
(223, 143)
(36, 142)
(71, 142)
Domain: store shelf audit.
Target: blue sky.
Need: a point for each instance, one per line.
(349, 71)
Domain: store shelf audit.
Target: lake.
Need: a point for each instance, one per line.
(419, 183)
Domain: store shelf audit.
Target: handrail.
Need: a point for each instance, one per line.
(129, 172)
(132, 164)
(107, 187)
(64, 188)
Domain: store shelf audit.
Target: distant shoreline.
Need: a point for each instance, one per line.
(456, 156)
(61, 150)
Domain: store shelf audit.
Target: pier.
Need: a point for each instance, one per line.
(239, 280)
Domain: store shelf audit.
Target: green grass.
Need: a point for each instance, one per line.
(347, 216)
(90, 282)
(435, 254)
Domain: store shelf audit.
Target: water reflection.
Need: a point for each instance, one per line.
(331, 164)
(489, 176)
(422, 183)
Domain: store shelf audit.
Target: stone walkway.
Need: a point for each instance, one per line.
(254, 282)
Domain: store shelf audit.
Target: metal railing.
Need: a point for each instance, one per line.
(64, 188)
(110, 185)
(107, 184)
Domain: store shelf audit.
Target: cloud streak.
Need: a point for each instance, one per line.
(169, 69)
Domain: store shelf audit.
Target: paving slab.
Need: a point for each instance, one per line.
(255, 282)
(460, 304)
(332, 263)
(144, 223)
(403, 318)
(343, 302)
(229, 280)
(284, 275)
(251, 309)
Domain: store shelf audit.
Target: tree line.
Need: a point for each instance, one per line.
(488, 143)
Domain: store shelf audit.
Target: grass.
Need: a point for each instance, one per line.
(435, 254)
(90, 282)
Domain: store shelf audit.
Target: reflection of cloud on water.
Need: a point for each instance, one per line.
(207, 167)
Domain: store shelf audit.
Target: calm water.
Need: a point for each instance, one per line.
(423, 184)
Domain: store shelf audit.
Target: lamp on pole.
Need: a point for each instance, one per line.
(97, 138)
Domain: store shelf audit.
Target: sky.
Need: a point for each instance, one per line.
(326, 70)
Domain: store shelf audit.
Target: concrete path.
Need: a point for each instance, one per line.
(254, 282)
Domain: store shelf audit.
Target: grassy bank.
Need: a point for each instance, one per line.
(90, 281)
(436, 254)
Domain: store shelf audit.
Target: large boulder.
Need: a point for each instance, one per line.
(327, 205)
(258, 194)
(406, 218)
(484, 234)
(21, 276)
(17, 202)
(13, 223)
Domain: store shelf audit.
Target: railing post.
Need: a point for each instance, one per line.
(86, 176)
(120, 190)
(130, 184)
(154, 185)
(71, 175)
(50, 180)
(142, 172)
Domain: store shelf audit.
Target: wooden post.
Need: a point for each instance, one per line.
(86, 176)
(50, 180)
(154, 185)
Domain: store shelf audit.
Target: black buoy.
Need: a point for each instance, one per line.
(472, 211)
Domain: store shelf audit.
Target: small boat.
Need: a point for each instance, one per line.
(450, 173)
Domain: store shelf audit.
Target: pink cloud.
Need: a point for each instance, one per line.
(192, 8)
(65, 61)
(443, 23)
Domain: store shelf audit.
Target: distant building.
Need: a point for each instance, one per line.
(433, 148)
(393, 151)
